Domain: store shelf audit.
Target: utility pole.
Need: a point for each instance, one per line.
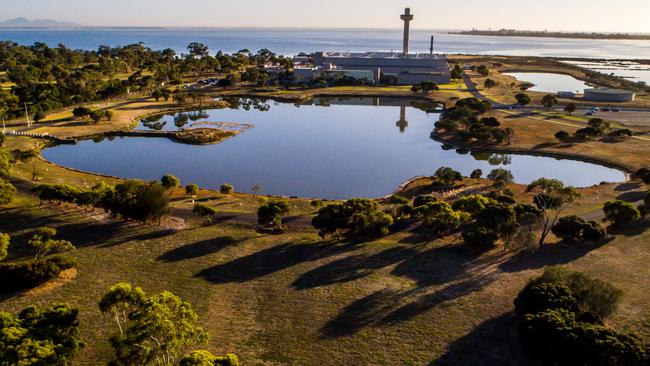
(4, 128)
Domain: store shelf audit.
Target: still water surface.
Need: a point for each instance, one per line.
(330, 149)
(551, 83)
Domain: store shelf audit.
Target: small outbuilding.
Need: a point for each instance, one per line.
(609, 95)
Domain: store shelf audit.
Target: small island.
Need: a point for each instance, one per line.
(546, 34)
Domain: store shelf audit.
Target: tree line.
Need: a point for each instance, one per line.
(46, 78)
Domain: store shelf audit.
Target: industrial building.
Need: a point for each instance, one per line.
(609, 95)
(401, 68)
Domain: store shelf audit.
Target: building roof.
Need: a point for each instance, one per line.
(608, 91)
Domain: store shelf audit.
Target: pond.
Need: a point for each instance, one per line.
(332, 149)
(551, 83)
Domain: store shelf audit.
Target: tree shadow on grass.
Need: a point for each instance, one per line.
(351, 268)
(459, 273)
(491, 343)
(550, 255)
(198, 249)
(271, 260)
(632, 196)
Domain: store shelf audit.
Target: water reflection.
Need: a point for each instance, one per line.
(326, 148)
(402, 123)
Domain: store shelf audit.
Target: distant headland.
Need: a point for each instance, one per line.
(546, 34)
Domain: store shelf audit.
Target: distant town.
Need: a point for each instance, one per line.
(546, 34)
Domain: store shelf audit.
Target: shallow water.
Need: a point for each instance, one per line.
(340, 149)
(551, 83)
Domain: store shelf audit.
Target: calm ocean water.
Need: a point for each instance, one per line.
(290, 42)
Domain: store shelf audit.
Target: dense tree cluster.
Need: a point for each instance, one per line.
(353, 217)
(425, 87)
(7, 190)
(53, 77)
(159, 329)
(620, 213)
(40, 337)
(465, 121)
(131, 199)
(28, 274)
(561, 322)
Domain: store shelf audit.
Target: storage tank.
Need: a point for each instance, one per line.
(609, 95)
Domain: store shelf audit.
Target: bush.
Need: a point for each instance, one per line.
(169, 181)
(561, 316)
(479, 238)
(437, 217)
(423, 200)
(574, 229)
(399, 200)
(355, 216)
(562, 135)
(620, 213)
(204, 211)
(538, 297)
(191, 190)
(593, 296)
(448, 176)
(7, 192)
(643, 174)
(473, 204)
(272, 213)
(556, 337)
(226, 189)
(137, 200)
(26, 275)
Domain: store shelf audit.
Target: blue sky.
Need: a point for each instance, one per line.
(569, 15)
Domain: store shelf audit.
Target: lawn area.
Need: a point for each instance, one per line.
(295, 299)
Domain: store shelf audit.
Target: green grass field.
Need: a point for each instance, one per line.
(294, 299)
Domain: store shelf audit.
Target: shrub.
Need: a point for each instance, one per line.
(490, 122)
(399, 200)
(479, 238)
(438, 217)
(423, 200)
(226, 189)
(355, 216)
(81, 112)
(522, 99)
(7, 192)
(476, 174)
(538, 297)
(620, 213)
(272, 213)
(562, 135)
(40, 337)
(137, 200)
(592, 295)
(556, 337)
(57, 193)
(574, 229)
(169, 181)
(25, 275)
(191, 190)
(204, 211)
(473, 204)
(448, 176)
(643, 174)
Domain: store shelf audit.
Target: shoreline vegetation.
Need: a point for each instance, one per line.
(545, 34)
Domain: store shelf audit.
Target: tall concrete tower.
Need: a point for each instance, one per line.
(407, 17)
